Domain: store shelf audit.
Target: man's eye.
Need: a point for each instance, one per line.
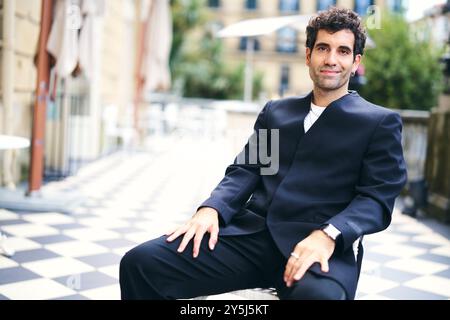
(345, 52)
(321, 48)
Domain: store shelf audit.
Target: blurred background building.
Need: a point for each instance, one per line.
(434, 25)
(282, 54)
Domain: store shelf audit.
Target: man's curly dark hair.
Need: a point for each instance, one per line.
(334, 20)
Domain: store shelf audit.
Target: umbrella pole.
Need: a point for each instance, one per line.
(36, 170)
(140, 81)
(248, 89)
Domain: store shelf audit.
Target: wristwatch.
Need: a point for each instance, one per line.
(331, 231)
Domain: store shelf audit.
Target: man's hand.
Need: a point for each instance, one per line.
(317, 247)
(204, 220)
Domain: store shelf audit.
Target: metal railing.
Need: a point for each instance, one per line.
(68, 127)
(415, 141)
(67, 134)
(415, 136)
(168, 113)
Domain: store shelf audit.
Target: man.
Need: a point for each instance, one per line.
(340, 169)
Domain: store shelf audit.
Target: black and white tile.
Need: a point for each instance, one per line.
(134, 197)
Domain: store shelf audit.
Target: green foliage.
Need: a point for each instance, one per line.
(402, 72)
(186, 15)
(198, 66)
(204, 74)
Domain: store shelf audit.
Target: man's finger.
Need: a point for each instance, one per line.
(294, 265)
(288, 269)
(171, 230)
(213, 236)
(187, 237)
(324, 265)
(197, 241)
(292, 271)
(179, 231)
(303, 268)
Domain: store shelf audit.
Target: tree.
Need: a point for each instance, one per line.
(186, 16)
(203, 72)
(402, 71)
(197, 63)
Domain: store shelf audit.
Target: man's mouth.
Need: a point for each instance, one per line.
(329, 72)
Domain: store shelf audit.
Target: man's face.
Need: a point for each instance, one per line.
(331, 61)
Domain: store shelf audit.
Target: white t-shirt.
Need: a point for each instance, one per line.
(312, 116)
(314, 113)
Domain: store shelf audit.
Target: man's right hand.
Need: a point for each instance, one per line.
(204, 220)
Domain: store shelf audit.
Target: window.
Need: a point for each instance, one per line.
(214, 3)
(287, 40)
(243, 44)
(251, 4)
(362, 5)
(284, 80)
(289, 5)
(325, 4)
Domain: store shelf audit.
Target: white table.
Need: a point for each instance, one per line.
(13, 142)
(10, 143)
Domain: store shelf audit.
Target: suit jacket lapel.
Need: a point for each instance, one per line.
(327, 120)
(289, 120)
(295, 123)
(299, 115)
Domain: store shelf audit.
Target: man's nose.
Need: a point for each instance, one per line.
(330, 58)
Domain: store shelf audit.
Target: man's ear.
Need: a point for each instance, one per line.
(356, 63)
(308, 56)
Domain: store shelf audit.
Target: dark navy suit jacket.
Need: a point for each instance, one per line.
(346, 170)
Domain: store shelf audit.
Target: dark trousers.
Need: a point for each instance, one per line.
(155, 270)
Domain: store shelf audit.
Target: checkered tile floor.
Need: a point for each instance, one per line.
(130, 199)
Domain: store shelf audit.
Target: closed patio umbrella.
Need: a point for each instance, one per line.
(63, 39)
(158, 42)
(91, 9)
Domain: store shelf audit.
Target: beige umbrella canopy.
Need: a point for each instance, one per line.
(158, 42)
(63, 39)
(66, 43)
(91, 9)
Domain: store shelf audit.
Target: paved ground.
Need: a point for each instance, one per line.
(133, 197)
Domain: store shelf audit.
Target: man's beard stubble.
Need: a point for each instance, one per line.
(321, 83)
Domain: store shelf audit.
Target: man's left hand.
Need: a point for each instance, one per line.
(317, 247)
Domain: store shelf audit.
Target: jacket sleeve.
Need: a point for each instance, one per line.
(382, 177)
(241, 178)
